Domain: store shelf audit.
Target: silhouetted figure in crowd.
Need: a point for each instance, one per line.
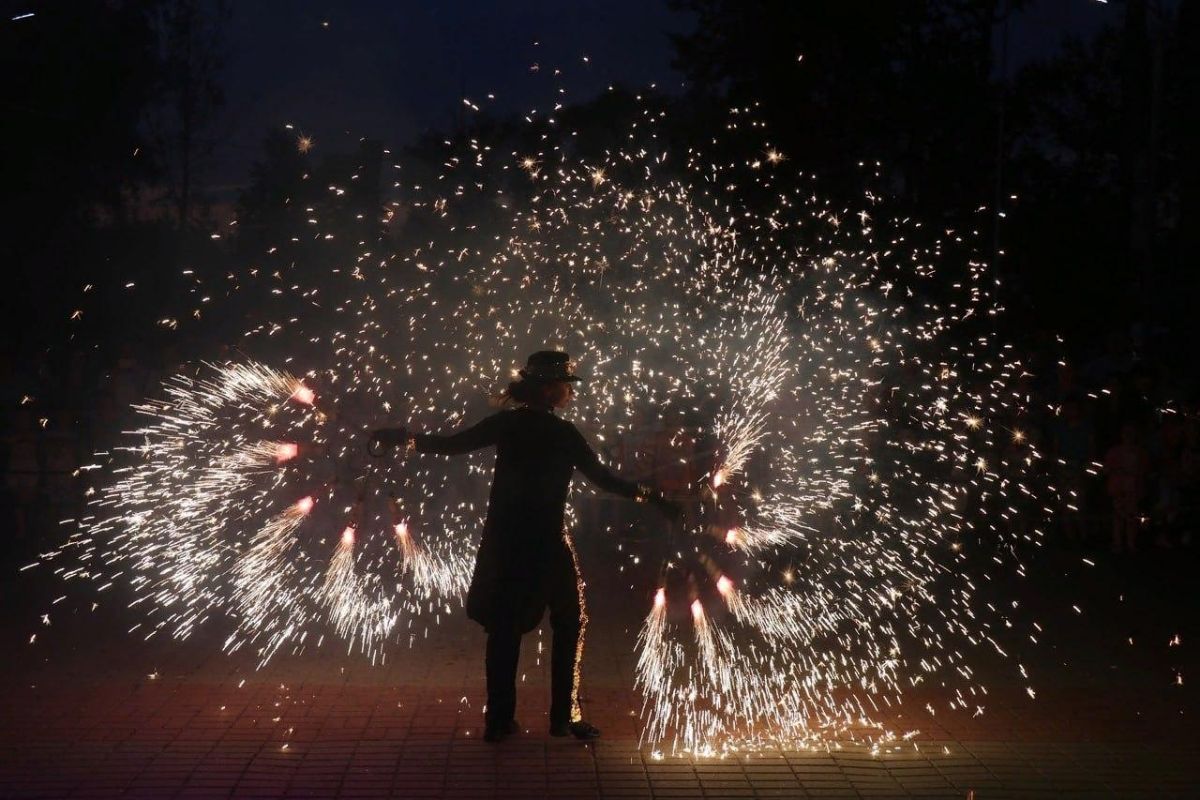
(1074, 442)
(526, 561)
(1127, 465)
(23, 467)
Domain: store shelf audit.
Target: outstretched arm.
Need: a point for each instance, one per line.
(587, 462)
(479, 435)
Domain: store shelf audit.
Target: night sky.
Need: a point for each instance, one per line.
(392, 69)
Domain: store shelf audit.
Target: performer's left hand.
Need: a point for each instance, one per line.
(671, 509)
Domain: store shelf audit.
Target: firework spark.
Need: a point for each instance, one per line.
(833, 380)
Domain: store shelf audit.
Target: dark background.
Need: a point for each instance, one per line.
(132, 129)
(135, 133)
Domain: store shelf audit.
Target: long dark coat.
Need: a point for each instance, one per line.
(524, 562)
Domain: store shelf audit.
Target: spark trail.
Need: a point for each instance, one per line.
(840, 377)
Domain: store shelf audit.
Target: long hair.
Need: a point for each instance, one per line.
(519, 393)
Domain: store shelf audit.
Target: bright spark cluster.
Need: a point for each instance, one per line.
(837, 375)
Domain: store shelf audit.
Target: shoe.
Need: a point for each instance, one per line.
(500, 731)
(580, 730)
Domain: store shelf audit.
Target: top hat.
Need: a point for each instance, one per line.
(549, 365)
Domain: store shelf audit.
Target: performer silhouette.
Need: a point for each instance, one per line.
(526, 561)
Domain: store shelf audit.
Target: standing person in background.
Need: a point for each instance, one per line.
(526, 561)
(1189, 475)
(1074, 442)
(61, 461)
(1128, 467)
(23, 469)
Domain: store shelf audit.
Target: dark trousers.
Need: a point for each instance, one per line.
(504, 649)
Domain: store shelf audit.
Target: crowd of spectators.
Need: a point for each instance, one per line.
(1124, 434)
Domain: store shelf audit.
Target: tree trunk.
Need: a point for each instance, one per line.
(1137, 154)
(1187, 159)
(185, 119)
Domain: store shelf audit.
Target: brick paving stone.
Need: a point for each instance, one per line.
(91, 724)
(631, 793)
(881, 791)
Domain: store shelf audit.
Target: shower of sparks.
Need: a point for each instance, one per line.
(207, 467)
(838, 377)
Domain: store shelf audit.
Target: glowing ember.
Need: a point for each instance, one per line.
(286, 451)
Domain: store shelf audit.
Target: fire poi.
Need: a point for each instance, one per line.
(841, 370)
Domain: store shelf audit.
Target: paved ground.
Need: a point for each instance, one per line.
(89, 711)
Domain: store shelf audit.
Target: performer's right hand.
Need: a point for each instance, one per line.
(384, 439)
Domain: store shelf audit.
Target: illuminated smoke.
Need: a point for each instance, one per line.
(838, 377)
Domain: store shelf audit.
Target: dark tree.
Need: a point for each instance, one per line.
(267, 207)
(909, 84)
(191, 47)
(1187, 128)
(78, 79)
(1068, 228)
(1099, 159)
